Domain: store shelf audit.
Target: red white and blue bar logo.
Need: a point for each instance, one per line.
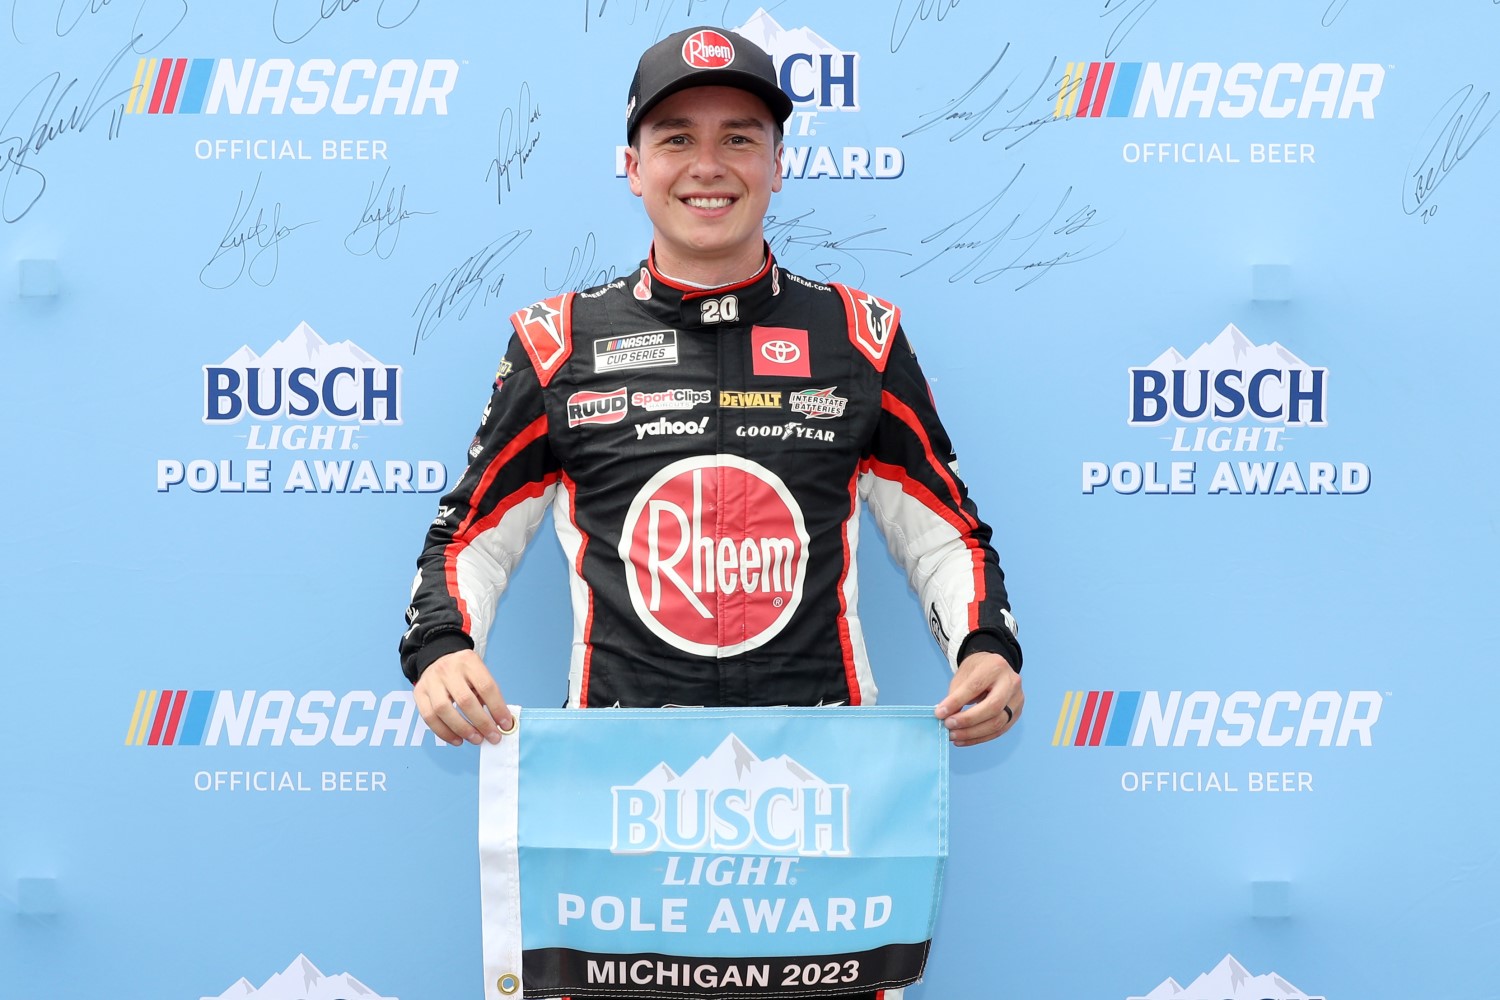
(1205, 718)
(170, 718)
(175, 717)
(280, 86)
(1205, 89)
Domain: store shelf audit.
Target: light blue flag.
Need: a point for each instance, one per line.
(729, 852)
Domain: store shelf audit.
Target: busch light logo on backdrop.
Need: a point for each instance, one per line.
(1234, 396)
(820, 78)
(1229, 980)
(304, 394)
(1227, 380)
(816, 74)
(303, 377)
(732, 800)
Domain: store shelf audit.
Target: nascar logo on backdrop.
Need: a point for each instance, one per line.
(1229, 397)
(302, 395)
(1200, 719)
(210, 88)
(276, 718)
(165, 717)
(1284, 90)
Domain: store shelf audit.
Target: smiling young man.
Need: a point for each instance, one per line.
(707, 431)
(704, 163)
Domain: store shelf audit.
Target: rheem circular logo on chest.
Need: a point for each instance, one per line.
(707, 50)
(715, 552)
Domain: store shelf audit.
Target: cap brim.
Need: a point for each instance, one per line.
(775, 99)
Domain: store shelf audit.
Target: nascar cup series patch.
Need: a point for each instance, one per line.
(733, 852)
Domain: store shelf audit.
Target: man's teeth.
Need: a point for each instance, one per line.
(709, 202)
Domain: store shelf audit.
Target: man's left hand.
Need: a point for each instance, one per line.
(991, 689)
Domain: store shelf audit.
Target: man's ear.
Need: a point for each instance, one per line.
(776, 180)
(633, 169)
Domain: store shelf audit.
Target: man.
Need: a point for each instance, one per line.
(706, 430)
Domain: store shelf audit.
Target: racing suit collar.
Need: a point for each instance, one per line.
(682, 305)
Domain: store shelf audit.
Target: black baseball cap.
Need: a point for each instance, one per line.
(703, 57)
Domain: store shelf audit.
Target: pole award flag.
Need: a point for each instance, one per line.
(736, 852)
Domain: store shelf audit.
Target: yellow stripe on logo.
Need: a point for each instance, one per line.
(1062, 718)
(141, 96)
(135, 719)
(1068, 88)
(135, 86)
(137, 735)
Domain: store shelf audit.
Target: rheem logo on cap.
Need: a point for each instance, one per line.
(703, 589)
(707, 50)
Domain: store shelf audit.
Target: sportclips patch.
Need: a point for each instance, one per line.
(655, 853)
(652, 349)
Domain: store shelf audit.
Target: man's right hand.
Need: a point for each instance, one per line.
(459, 700)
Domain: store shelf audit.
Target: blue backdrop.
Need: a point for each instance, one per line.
(1183, 278)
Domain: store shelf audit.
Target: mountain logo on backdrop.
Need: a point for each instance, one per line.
(301, 981)
(304, 394)
(814, 73)
(732, 801)
(1229, 396)
(1229, 980)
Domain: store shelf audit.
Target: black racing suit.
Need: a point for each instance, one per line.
(706, 454)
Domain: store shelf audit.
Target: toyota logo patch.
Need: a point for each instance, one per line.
(779, 351)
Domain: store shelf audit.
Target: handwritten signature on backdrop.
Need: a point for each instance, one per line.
(1446, 141)
(250, 246)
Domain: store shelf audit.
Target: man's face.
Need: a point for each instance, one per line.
(705, 163)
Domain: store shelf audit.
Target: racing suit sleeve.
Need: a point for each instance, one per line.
(910, 481)
(484, 523)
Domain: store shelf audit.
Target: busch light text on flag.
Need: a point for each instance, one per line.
(710, 852)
